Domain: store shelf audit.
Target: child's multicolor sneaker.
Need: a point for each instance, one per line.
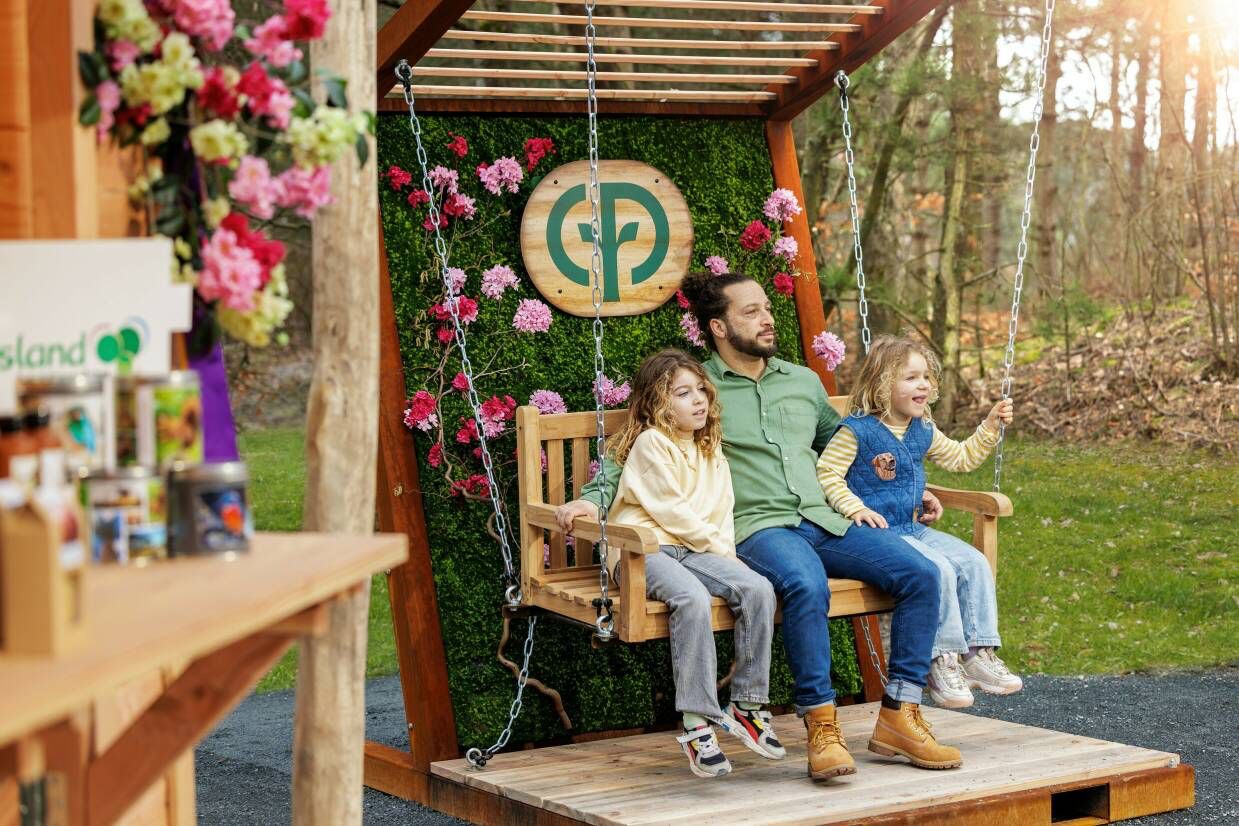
(754, 729)
(948, 685)
(990, 674)
(705, 758)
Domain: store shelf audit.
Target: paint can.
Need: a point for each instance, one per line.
(126, 510)
(169, 420)
(208, 509)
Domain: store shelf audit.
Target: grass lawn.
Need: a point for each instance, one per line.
(1117, 558)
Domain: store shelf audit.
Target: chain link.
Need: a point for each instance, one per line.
(862, 304)
(1021, 252)
(605, 623)
(478, 758)
(873, 651)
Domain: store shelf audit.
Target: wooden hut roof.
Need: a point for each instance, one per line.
(766, 58)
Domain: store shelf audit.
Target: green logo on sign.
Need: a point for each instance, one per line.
(610, 240)
(121, 347)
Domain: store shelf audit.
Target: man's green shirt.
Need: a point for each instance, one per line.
(773, 431)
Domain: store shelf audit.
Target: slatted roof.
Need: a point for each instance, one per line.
(768, 58)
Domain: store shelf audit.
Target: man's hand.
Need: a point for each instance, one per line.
(565, 513)
(931, 508)
(873, 519)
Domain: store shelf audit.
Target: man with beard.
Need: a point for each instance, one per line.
(776, 421)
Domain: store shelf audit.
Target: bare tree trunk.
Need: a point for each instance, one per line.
(1047, 186)
(948, 290)
(1139, 149)
(341, 447)
(1172, 146)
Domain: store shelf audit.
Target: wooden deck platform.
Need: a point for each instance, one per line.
(1012, 775)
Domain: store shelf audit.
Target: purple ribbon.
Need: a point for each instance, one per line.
(219, 433)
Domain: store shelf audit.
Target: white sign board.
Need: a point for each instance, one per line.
(71, 307)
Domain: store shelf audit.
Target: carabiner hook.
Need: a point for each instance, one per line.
(404, 72)
(841, 81)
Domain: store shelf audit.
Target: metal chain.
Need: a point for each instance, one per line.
(1021, 252)
(478, 758)
(873, 652)
(862, 304)
(512, 593)
(605, 623)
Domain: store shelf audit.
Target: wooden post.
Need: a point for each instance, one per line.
(341, 438)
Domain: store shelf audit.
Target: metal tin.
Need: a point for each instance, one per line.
(208, 509)
(131, 426)
(127, 513)
(169, 419)
(82, 416)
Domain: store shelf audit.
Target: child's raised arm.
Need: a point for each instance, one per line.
(961, 457)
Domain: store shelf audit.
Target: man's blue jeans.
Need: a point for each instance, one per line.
(797, 562)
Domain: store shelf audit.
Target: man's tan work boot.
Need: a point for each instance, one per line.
(904, 731)
(828, 754)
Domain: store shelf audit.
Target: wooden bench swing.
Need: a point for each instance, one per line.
(568, 586)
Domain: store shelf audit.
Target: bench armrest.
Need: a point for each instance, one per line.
(985, 503)
(624, 537)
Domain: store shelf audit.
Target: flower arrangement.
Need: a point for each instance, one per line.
(228, 148)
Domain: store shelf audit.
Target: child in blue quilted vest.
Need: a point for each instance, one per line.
(873, 472)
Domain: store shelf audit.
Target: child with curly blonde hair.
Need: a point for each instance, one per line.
(873, 472)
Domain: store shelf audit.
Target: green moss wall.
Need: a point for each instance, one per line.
(723, 168)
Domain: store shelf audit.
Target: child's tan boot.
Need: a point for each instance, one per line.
(828, 753)
(904, 731)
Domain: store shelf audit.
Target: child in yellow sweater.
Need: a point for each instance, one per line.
(873, 472)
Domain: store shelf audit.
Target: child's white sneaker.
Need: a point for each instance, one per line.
(948, 686)
(990, 674)
(754, 729)
(705, 758)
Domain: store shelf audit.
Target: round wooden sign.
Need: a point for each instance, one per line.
(646, 237)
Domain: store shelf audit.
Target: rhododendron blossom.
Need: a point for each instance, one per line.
(532, 316)
(682, 300)
(548, 401)
(230, 273)
(270, 42)
(418, 197)
(455, 280)
(305, 19)
(444, 179)
(496, 413)
(504, 172)
(458, 145)
(755, 235)
(121, 53)
(536, 149)
(304, 191)
(692, 331)
(466, 310)
(498, 279)
(435, 458)
(253, 187)
(422, 411)
(459, 205)
(784, 284)
(717, 264)
(399, 179)
(468, 432)
(781, 205)
(460, 382)
(211, 20)
(217, 95)
(611, 393)
(786, 248)
(830, 348)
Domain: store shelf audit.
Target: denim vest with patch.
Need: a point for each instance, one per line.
(888, 473)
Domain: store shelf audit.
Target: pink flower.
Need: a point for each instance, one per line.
(121, 53)
(532, 316)
(717, 264)
(270, 41)
(444, 179)
(755, 235)
(305, 19)
(498, 279)
(504, 172)
(230, 272)
(445, 334)
(418, 196)
(830, 348)
(211, 20)
(594, 467)
(468, 432)
(429, 226)
(455, 280)
(536, 149)
(421, 412)
(279, 108)
(460, 382)
(304, 190)
(610, 393)
(466, 310)
(436, 455)
(459, 205)
(216, 95)
(682, 300)
(786, 248)
(107, 94)
(692, 332)
(781, 205)
(458, 145)
(266, 95)
(496, 413)
(398, 178)
(475, 485)
(784, 284)
(548, 401)
(253, 187)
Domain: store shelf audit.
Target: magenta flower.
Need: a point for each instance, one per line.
(548, 401)
(444, 179)
(784, 284)
(781, 206)
(498, 279)
(304, 190)
(692, 332)
(460, 382)
(253, 187)
(421, 412)
(503, 173)
(211, 20)
(496, 413)
(532, 316)
(830, 349)
(755, 235)
(455, 280)
(270, 41)
(459, 205)
(397, 177)
(230, 272)
(610, 393)
(107, 94)
(786, 248)
(717, 264)
(121, 53)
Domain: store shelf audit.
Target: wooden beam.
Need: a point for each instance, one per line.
(181, 717)
(659, 22)
(536, 106)
(728, 5)
(16, 187)
(856, 49)
(411, 31)
(414, 604)
(632, 77)
(580, 57)
(554, 93)
(391, 771)
(644, 42)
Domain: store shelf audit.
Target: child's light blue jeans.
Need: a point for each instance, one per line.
(968, 602)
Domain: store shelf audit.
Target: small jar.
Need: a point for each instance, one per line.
(208, 509)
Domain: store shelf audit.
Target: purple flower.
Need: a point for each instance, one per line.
(717, 264)
(548, 401)
(504, 172)
(830, 348)
(610, 393)
(532, 316)
(444, 179)
(786, 247)
(497, 279)
(781, 205)
(692, 332)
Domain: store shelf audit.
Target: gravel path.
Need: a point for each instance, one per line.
(243, 768)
